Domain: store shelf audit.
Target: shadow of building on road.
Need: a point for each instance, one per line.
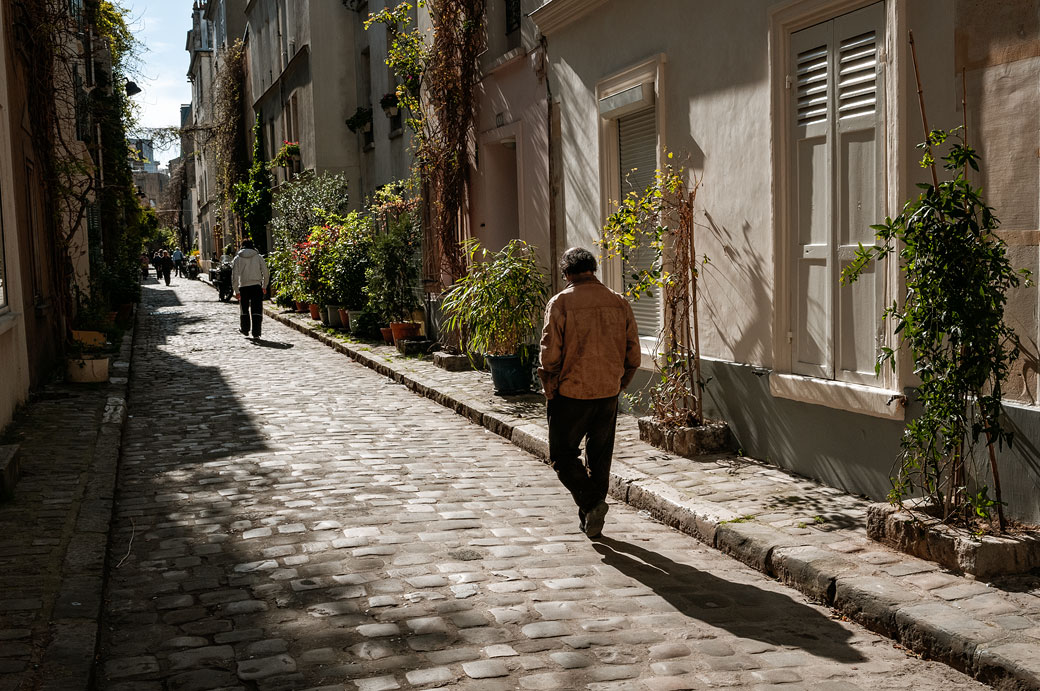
(742, 609)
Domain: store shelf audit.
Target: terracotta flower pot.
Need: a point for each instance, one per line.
(315, 311)
(404, 331)
(88, 370)
(388, 335)
(344, 318)
(300, 306)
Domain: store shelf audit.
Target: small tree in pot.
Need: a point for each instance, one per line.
(499, 306)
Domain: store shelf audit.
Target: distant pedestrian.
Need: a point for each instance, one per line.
(157, 263)
(178, 261)
(249, 279)
(589, 354)
(145, 261)
(166, 264)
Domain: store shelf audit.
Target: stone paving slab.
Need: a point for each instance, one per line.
(809, 536)
(54, 532)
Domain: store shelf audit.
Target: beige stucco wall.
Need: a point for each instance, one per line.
(715, 99)
(14, 382)
(335, 98)
(511, 182)
(715, 95)
(998, 48)
(313, 59)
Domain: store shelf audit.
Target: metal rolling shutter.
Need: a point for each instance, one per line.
(637, 148)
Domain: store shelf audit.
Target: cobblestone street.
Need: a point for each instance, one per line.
(288, 519)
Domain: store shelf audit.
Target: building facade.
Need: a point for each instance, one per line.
(202, 75)
(303, 81)
(800, 119)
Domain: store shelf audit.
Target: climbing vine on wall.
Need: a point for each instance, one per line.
(252, 197)
(437, 84)
(229, 136)
(76, 58)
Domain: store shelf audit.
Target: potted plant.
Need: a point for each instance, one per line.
(286, 155)
(86, 363)
(361, 120)
(499, 306)
(392, 279)
(349, 263)
(390, 104)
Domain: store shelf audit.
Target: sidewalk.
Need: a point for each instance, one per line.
(54, 533)
(809, 536)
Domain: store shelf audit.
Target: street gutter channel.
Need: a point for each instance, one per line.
(928, 625)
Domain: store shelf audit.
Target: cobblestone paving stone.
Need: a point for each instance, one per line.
(809, 533)
(53, 532)
(288, 519)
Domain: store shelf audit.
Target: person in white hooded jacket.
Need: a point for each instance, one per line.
(249, 279)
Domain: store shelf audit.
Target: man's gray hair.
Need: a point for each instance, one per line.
(577, 260)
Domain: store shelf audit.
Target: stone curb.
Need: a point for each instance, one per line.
(75, 621)
(934, 629)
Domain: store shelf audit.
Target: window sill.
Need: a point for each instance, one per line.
(854, 398)
(7, 321)
(648, 346)
(395, 133)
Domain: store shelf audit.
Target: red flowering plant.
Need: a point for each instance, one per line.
(285, 156)
(302, 259)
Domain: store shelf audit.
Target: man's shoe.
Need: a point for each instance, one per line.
(244, 332)
(593, 524)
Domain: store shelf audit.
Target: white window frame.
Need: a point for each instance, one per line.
(649, 71)
(883, 400)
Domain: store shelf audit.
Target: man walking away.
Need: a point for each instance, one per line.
(166, 266)
(249, 279)
(178, 261)
(589, 353)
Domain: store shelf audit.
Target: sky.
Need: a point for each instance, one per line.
(162, 26)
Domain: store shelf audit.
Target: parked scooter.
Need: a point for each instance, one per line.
(193, 268)
(221, 278)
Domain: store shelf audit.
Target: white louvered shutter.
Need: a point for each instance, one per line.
(637, 154)
(811, 208)
(860, 187)
(837, 192)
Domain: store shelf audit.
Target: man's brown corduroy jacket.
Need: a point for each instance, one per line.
(590, 343)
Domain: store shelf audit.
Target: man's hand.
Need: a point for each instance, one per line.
(238, 296)
(265, 290)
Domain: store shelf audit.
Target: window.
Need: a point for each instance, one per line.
(630, 142)
(32, 209)
(512, 16)
(3, 265)
(512, 24)
(82, 108)
(637, 157)
(835, 166)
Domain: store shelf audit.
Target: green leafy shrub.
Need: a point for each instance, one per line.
(499, 304)
(952, 323)
(392, 278)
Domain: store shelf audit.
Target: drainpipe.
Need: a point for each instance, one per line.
(553, 249)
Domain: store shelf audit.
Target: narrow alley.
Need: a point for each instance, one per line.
(288, 519)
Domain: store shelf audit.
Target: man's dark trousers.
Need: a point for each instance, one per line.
(251, 303)
(570, 421)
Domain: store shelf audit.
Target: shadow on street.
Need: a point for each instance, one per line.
(741, 609)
